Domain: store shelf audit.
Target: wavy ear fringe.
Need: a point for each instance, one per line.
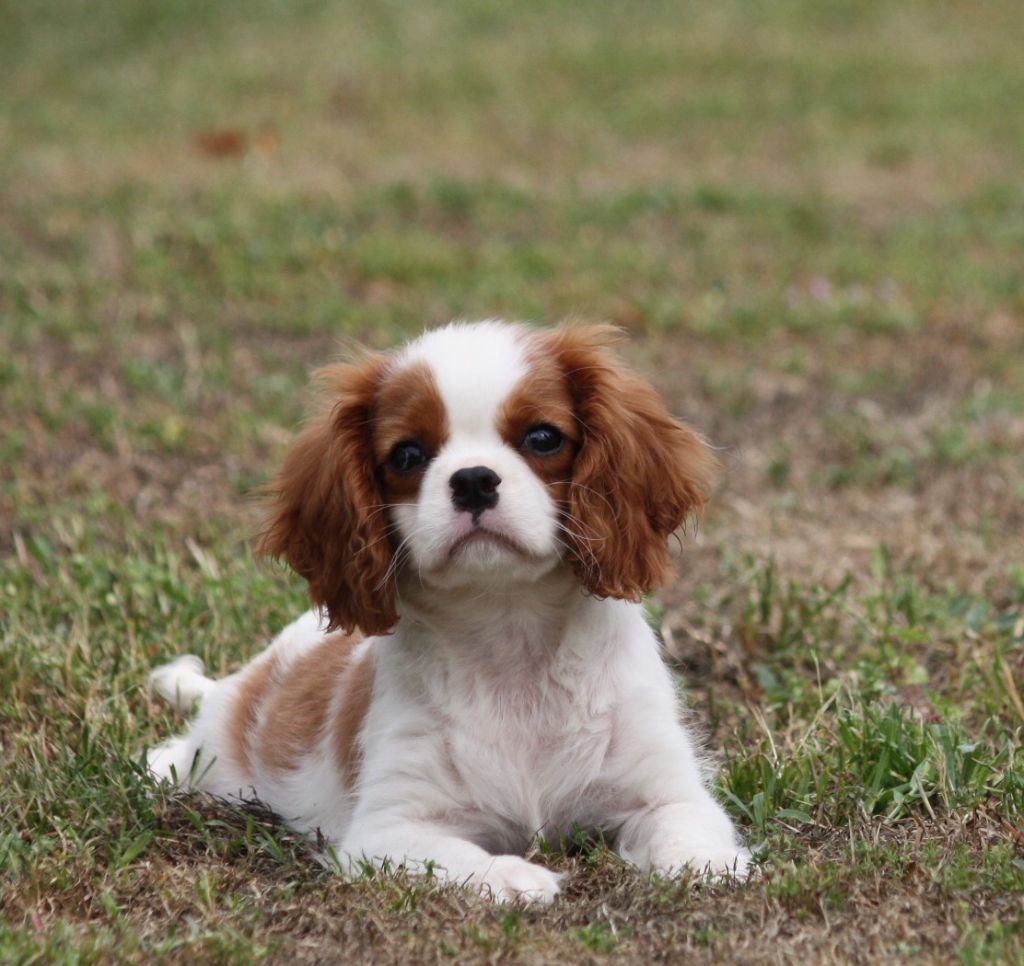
(325, 516)
(639, 473)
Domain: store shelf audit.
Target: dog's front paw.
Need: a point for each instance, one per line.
(724, 863)
(509, 878)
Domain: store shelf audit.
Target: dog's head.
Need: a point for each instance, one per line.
(483, 452)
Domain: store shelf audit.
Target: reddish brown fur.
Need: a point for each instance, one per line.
(356, 702)
(542, 396)
(295, 710)
(638, 474)
(252, 689)
(279, 716)
(327, 518)
(408, 407)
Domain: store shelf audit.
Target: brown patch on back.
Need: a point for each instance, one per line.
(355, 704)
(296, 710)
(408, 408)
(252, 689)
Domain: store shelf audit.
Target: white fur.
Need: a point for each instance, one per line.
(181, 683)
(506, 704)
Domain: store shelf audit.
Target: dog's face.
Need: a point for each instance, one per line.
(484, 453)
(475, 454)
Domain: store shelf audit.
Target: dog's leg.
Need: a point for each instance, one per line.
(669, 818)
(435, 849)
(695, 834)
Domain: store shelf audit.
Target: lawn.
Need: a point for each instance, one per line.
(807, 215)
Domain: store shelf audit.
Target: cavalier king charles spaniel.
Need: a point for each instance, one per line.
(477, 515)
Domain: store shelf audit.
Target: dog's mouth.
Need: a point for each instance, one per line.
(482, 536)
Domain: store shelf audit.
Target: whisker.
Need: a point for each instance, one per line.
(589, 489)
(581, 546)
(401, 554)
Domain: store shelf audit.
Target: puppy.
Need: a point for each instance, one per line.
(477, 515)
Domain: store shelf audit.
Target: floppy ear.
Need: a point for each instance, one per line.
(638, 474)
(326, 514)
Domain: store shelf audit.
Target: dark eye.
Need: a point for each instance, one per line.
(543, 440)
(407, 456)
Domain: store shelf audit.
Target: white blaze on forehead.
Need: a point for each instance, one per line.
(475, 366)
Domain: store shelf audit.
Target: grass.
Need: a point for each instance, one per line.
(809, 218)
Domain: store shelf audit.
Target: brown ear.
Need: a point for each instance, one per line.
(638, 475)
(327, 518)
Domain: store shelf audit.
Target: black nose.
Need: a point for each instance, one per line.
(475, 488)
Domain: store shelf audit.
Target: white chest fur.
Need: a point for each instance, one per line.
(517, 730)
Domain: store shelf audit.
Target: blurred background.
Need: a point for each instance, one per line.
(807, 215)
